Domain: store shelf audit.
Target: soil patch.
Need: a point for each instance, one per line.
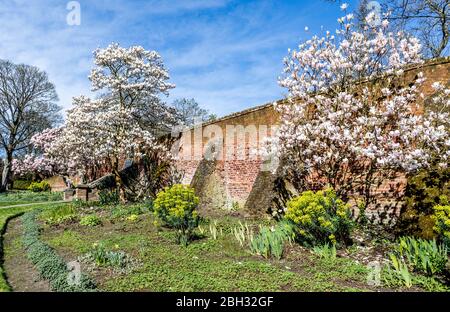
(20, 272)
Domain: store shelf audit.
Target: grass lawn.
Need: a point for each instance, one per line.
(26, 197)
(155, 262)
(206, 264)
(5, 215)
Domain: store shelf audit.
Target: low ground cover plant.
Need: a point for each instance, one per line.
(103, 257)
(175, 207)
(48, 263)
(320, 218)
(327, 251)
(123, 212)
(80, 204)
(100, 256)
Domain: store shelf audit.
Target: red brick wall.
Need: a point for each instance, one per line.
(239, 175)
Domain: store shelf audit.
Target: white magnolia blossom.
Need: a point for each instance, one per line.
(351, 117)
(124, 122)
(344, 6)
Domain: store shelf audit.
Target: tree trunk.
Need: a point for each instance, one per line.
(119, 183)
(6, 174)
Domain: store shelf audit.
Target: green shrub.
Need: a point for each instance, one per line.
(63, 214)
(48, 263)
(91, 220)
(441, 217)
(423, 191)
(422, 256)
(132, 218)
(176, 207)
(320, 218)
(21, 185)
(107, 197)
(271, 241)
(37, 187)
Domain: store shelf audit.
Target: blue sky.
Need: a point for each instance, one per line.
(227, 54)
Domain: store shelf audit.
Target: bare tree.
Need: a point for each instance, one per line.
(189, 112)
(361, 13)
(429, 20)
(27, 106)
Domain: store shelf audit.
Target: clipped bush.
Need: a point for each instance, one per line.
(42, 186)
(320, 218)
(441, 218)
(176, 207)
(22, 185)
(90, 220)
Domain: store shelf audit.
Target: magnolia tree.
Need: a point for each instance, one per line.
(51, 156)
(39, 162)
(125, 120)
(122, 123)
(352, 120)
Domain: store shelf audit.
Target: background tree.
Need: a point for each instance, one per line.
(188, 112)
(428, 20)
(27, 106)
